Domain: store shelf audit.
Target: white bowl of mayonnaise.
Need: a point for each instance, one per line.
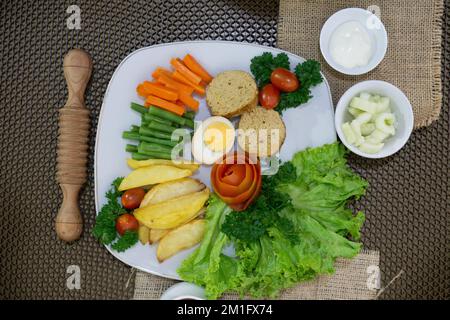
(353, 41)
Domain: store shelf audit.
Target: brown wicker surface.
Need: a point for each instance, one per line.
(407, 205)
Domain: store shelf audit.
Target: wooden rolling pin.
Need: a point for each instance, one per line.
(73, 144)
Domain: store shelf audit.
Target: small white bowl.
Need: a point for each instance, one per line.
(374, 27)
(184, 291)
(399, 104)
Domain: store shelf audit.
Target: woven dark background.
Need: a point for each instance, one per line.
(407, 205)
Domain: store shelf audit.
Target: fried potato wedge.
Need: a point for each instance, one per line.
(157, 234)
(180, 238)
(143, 234)
(136, 164)
(172, 189)
(152, 175)
(174, 212)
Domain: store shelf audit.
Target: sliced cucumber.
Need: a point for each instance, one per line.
(367, 128)
(383, 105)
(370, 147)
(385, 122)
(365, 95)
(364, 105)
(349, 133)
(354, 112)
(374, 98)
(356, 127)
(377, 136)
(363, 118)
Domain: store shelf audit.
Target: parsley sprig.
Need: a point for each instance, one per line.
(307, 72)
(249, 225)
(105, 223)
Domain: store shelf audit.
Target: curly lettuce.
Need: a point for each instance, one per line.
(326, 229)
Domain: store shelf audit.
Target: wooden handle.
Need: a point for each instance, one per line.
(73, 144)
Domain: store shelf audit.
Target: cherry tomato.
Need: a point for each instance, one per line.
(284, 80)
(269, 96)
(126, 222)
(131, 199)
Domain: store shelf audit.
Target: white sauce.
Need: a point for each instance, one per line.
(350, 45)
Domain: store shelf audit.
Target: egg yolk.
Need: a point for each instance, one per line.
(217, 136)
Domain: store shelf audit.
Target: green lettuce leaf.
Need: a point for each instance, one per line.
(318, 191)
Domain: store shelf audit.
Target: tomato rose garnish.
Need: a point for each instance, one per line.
(236, 180)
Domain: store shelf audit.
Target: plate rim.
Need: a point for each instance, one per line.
(102, 108)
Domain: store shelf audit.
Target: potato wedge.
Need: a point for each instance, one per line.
(174, 212)
(157, 234)
(136, 164)
(143, 234)
(181, 238)
(171, 189)
(152, 175)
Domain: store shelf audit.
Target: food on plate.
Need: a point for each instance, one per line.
(132, 198)
(182, 164)
(195, 67)
(269, 96)
(164, 207)
(164, 104)
(172, 90)
(105, 222)
(231, 93)
(159, 133)
(157, 234)
(351, 45)
(236, 180)
(143, 234)
(174, 212)
(307, 73)
(126, 222)
(284, 80)
(213, 138)
(152, 175)
(302, 228)
(171, 189)
(180, 238)
(148, 88)
(198, 88)
(180, 67)
(261, 132)
(373, 122)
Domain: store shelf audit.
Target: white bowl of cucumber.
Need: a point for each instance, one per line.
(374, 119)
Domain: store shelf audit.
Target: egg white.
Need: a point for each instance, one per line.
(200, 150)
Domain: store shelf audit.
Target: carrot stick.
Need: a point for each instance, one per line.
(160, 70)
(164, 104)
(195, 67)
(141, 90)
(160, 91)
(179, 77)
(189, 101)
(171, 83)
(181, 68)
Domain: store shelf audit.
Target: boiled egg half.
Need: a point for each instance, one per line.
(212, 139)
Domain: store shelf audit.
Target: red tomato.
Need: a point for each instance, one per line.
(269, 96)
(126, 222)
(284, 80)
(131, 199)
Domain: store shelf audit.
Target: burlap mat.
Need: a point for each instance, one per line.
(407, 203)
(413, 58)
(349, 282)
